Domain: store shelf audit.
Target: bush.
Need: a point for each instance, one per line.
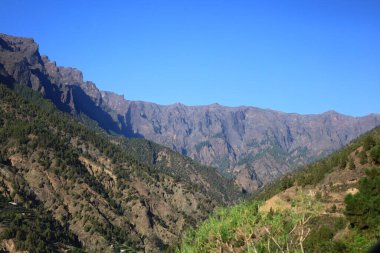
(363, 208)
(368, 142)
(375, 154)
(244, 227)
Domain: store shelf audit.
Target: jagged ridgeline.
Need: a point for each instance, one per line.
(86, 190)
(329, 206)
(252, 145)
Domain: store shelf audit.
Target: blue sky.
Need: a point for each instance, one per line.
(293, 56)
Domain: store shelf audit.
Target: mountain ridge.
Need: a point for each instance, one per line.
(106, 190)
(253, 145)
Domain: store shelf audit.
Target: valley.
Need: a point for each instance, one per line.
(86, 170)
(328, 206)
(255, 146)
(97, 186)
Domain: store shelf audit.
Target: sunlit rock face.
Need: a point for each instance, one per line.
(253, 145)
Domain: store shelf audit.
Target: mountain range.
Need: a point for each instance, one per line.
(67, 185)
(87, 170)
(109, 192)
(252, 145)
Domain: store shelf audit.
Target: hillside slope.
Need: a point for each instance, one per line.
(254, 145)
(94, 184)
(329, 206)
(33, 229)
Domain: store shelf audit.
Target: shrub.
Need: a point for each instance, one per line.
(375, 154)
(363, 208)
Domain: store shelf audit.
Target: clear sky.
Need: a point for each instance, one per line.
(305, 56)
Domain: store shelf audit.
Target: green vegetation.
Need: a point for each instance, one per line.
(33, 128)
(313, 174)
(363, 208)
(322, 232)
(246, 228)
(99, 176)
(305, 227)
(147, 152)
(375, 153)
(34, 230)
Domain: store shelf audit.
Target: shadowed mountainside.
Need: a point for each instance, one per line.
(253, 145)
(107, 191)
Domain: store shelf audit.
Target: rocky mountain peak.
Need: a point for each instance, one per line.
(248, 143)
(27, 46)
(331, 112)
(20, 61)
(62, 75)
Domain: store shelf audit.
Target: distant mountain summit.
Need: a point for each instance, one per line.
(251, 144)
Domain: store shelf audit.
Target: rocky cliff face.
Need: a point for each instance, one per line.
(253, 144)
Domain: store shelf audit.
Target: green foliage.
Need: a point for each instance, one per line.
(323, 230)
(243, 226)
(281, 184)
(34, 230)
(146, 152)
(363, 157)
(375, 154)
(363, 208)
(368, 142)
(351, 164)
(356, 242)
(33, 128)
(314, 173)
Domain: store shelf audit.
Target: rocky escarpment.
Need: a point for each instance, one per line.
(251, 144)
(21, 63)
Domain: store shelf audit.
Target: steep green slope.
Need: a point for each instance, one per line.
(34, 229)
(93, 184)
(329, 206)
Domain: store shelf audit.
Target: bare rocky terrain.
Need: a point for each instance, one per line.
(252, 145)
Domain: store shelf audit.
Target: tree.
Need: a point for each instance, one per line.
(375, 154)
(368, 142)
(363, 208)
